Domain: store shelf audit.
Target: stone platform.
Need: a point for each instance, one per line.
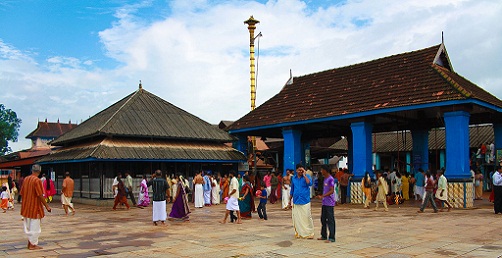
(401, 232)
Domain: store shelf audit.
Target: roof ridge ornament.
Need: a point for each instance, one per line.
(140, 85)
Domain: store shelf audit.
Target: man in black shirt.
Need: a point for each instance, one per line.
(160, 191)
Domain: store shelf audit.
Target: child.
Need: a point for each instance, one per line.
(262, 209)
(5, 199)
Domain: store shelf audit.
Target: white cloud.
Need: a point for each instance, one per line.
(197, 57)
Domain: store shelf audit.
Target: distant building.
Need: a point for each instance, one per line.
(20, 161)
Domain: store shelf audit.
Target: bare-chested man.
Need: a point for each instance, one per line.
(286, 183)
(199, 190)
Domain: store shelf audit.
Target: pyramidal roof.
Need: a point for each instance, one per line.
(142, 114)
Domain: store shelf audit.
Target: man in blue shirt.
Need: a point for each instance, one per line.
(301, 212)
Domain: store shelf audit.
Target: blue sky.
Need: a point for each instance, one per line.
(69, 60)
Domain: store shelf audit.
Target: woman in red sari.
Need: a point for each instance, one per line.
(246, 202)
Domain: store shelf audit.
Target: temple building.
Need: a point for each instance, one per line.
(139, 134)
(416, 91)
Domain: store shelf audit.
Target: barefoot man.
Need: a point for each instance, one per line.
(286, 182)
(233, 201)
(67, 193)
(32, 207)
(300, 196)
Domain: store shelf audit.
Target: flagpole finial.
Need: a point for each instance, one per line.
(140, 85)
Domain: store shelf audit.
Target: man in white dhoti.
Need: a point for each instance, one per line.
(160, 190)
(199, 191)
(286, 188)
(233, 200)
(207, 190)
(67, 193)
(32, 206)
(300, 196)
(215, 191)
(442, 191)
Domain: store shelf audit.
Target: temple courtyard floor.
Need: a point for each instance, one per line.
(401, 232)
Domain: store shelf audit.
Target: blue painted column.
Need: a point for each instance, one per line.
(242, 145)
(376, 161)
(408, 162)
(497, 129)
(420, 158)
(350, 153)
(457, 145)
(293, 150)
(442, 160)
(362, 151)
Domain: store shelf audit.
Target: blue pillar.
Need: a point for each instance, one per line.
(497, 129)
(457, 145)
(441, 159)
(361, 154)
(292, 148)
(420, 149)
(350, 154)
(376, 161)
(242, 145)
(408, 162)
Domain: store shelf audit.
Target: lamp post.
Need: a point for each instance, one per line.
(251, 22)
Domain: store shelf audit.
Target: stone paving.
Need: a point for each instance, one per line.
(401, 232)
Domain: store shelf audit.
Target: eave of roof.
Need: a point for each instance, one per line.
(109, 149)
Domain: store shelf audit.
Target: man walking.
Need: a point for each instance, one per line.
(497, 190)
(328, 206)
(233, 200)
(301, 211)
(128, 185)
(67, 193)
(32, 207)
(442, 191)
(160, 190)
(429, 193)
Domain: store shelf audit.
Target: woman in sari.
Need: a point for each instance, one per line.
(143, 199)
(405, 186)
(224, 187)
(366, 188)
(121, 195)
(49, 189)
(246, 202)
(180, 209)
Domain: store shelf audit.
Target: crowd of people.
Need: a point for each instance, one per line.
(296, 189)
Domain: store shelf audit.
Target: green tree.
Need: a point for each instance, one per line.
(9, 128)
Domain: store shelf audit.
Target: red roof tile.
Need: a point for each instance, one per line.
(399, 80)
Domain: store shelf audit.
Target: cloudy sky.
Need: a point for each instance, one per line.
(69, 60)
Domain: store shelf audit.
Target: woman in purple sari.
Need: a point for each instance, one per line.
(143, 199)
(180, 208)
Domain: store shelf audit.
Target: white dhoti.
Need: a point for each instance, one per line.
(419, 190)
(232, 204)
(159, 211)
(32, 229)
(215, 195)
(207, 197)
(302, 221)
(269, 191)
(199, 196)
(66, 201)
(285, 196)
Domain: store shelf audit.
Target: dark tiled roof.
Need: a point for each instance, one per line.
(142, 114)
(399, 80)
(50, 130)
(394, 141)
(144, 149)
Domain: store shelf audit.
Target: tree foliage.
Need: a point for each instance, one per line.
(9, 128)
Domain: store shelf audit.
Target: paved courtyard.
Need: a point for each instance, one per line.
(401, 232)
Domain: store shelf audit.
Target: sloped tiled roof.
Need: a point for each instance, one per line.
(142, 114)
(50, 130)
(395, 81)
(394, 141)
(144, 149)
